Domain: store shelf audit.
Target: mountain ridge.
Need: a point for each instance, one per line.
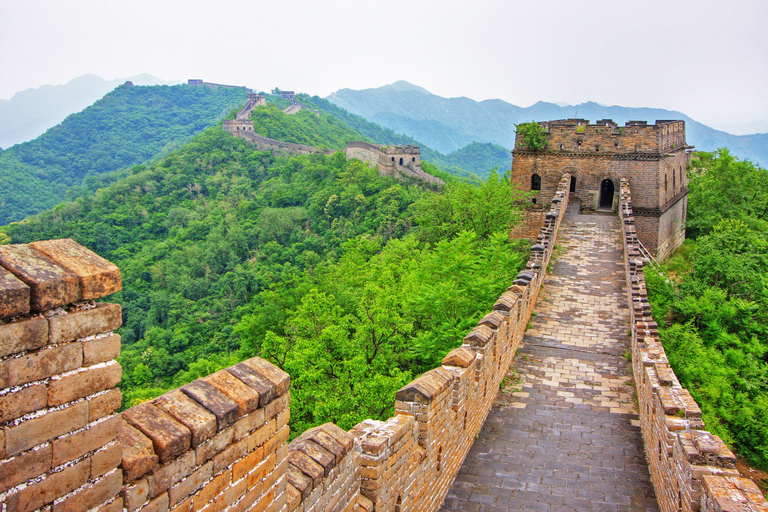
(448, 124)
(29, 113)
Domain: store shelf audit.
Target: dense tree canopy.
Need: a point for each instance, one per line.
(313, 262)
(129, 126)
(715, 313)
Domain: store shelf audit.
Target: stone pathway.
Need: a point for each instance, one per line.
(563, 433)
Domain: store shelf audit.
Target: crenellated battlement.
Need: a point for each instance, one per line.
(608, 138)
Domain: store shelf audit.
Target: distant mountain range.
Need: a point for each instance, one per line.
(30, 112)
(447, 124)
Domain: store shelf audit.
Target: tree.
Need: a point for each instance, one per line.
(534, 136)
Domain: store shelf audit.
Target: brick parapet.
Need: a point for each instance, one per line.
(219, 441)
(58, 426)
(691, 469)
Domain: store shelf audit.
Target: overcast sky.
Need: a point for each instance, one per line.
(706, 58)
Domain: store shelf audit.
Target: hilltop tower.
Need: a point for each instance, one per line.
(652, 157)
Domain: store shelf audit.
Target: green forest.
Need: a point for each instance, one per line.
(129, 126)
(350, 281)
(711, 301)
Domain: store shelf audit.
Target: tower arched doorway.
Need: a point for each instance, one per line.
(606, 195)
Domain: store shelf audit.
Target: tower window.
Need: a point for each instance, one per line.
(535, 182)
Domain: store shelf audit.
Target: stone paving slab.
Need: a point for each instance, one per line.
(563, 434)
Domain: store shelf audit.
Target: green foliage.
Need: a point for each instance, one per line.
(716, 330)
(486, 210)
(129, 126)
(227, 252)
(534, 136)
(723, 187)
(304, 127)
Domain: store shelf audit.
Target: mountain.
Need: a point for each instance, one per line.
(32, 111)
(128, 126)
(447, 124)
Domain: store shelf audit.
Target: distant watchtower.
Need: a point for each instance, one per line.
(652, 157)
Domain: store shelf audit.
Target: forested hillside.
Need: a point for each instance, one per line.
(484, 157)
(352, 282)
(714, 309)
(129, 126)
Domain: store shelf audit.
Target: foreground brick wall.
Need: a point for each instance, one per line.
(58, 426)
(691, 469)
(219, 443)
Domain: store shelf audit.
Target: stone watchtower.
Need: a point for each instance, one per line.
(652, 157)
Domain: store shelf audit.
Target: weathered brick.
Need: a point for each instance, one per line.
(22, 401)
(14, 298)
(299, 480)
(158, 504)
(98, 277)
(23, 335)
(226, 458)
(91, 496)
(116, 505)
(247, 424)
(169, 437)
(315, 451)
(104, 461)
(213, 446)
(307, 465)
(104, 404)
(224, 408)
(261, 471)
(167, 475)
(231, 495)
(51, 285)
(461, 357)
(138, 454)
(94, 437)
(247, 399)
(100, 350)
(190, 484)
(339, 434)
(247, 463)
(2, 444)
(274, 442)
(87, 382)
(25, 466)
(184, 506)
(42, 364)
(81, 324)
(293, 496)
(211, 490)
(263, 386)
(134, 496)
(44, 428)
(188, 412)
(280, 379)
(55, 485)
(260, 436)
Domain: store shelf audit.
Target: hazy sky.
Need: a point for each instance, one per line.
(706, 58)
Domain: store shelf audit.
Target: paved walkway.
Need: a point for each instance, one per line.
(563, 433)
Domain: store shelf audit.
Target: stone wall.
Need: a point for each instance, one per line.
(691, 468)
(652, 157)
(58, 427)
(219, 443)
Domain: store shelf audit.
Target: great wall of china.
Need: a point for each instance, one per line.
(401, 162)
(220, 442)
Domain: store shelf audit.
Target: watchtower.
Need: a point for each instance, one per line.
(652, 157)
